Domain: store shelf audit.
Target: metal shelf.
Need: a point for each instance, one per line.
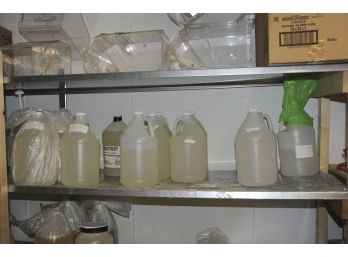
(220, 185)
(167, 80)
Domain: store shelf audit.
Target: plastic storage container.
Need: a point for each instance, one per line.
(188, 148)
(297, 151)
(211, 46)
(256, 151)
(132, 51)
(94, 233)
(80, 154)
(41, 58)
(139, 156)
(111, 147)
(163, 139)
(68, 27)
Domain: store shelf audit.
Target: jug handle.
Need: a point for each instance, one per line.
(178, 123)
(151, 129)
(268, 121)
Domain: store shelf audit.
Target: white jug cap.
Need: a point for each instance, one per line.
(187, 113)
(138, 113)
(254, 110)
(80, 114)
(151, 115)
(159, 113)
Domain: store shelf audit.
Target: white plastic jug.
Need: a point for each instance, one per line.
(256, 151)
(157, 122)
(139, 161)
(188, 148)
(80, 154)
(297, 151)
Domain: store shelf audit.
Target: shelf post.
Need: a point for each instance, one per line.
(4, 219)
(324, 132)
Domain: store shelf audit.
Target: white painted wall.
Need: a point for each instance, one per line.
(221, 111)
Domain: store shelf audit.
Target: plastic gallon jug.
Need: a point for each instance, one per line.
(256, 151)
(139, 161)
(188, 148)
(297, 147)
(297, 151)
(111, 147)
(80, 154)
(163, 140)
(163, 122)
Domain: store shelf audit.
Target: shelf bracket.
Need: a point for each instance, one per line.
(62, 94)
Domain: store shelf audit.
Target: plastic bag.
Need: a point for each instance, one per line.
(56, 231)
(72, 211)
(212, 236)
(35, 154)
(296, 94)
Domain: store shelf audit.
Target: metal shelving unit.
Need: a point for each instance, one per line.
(221, 185)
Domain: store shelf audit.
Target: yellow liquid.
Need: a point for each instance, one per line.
(163, 153)
(28, 167)
(94, 238)
(112, 160)
(80, 159)
(139, 166)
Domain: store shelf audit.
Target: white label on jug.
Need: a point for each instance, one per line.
(78, 128)
(303, 151)
(36, 125)
(112, 156)
(252, 129)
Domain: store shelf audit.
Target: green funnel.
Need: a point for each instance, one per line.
(296, 94)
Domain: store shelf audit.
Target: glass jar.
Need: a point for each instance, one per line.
(94, 233)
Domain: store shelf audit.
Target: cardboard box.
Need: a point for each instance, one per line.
(290, 38)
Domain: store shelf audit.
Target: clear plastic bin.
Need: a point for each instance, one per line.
(212, 45)
(68, 27)
(132, 51)
(41, 58)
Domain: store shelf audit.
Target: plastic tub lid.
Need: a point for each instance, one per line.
(94, 227)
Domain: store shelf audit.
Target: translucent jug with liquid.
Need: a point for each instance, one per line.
(139, 156)
(256, 151)
(163, 138)
(297, 151)
(80, 154)
(111, 147)
(188, 148)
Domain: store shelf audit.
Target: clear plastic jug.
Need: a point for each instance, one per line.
(297, 151)
(157, 122)
(80, 154)
(111, 147)
(139, 161)
(188, 148)
(163, 122)
(256, 151)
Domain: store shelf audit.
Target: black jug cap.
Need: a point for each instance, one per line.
(117, 118)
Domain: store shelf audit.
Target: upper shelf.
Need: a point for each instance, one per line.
(170, 80)
(220, 185)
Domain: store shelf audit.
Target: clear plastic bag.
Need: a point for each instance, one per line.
(72, 212)
(212, 236)
(33, 137)
(35, 154)
(56, 231)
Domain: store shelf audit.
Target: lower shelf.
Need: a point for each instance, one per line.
(219, 185)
